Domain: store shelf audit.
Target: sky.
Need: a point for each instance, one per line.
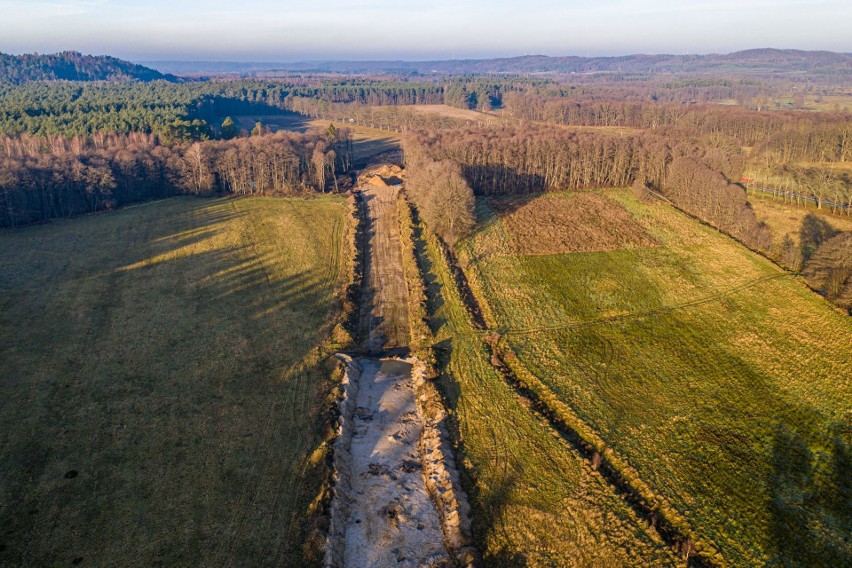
(288, 30)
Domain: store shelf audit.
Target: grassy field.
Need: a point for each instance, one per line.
(786, 218)
(454, 112)
(500, 116)
(163, 390)
(367, 142)
(720, 379)
(535, 500)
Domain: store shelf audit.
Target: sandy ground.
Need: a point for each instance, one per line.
(392, 520)
(389, 517)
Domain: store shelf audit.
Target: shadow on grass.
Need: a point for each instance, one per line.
(811, 501)
(180, 387)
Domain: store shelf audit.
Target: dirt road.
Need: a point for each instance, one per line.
(382, 513)
(384, 315)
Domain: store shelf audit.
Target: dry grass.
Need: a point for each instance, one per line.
(722, 381)
(451, 112)
(785, 219)
(612, 130)
(162, 387)
(576, 222)
(367, 142)
(274, 122)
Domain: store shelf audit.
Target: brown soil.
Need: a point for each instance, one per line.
(384, 175)
(581, 222)
(384, 317)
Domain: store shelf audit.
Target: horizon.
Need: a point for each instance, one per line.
(418, 60)
(263, 31)
(517, 56)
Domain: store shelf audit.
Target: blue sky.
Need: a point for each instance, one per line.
(289, 30)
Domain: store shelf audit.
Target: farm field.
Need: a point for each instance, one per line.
(164, 390)
(535, 500)
(454, 112)
(721, 379)
(497, 117)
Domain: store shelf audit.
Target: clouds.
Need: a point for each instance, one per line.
(288, 30)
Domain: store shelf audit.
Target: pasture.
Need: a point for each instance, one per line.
(536, 501)
(164, 389)
(723, 381)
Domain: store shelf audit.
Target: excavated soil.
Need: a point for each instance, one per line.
(392, 519)
(397, 499)
(384, 316)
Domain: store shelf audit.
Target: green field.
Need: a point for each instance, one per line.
(536, 501)
(722, 380)
(163, 391)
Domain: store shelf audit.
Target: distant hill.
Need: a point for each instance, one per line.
(754, 61)
(73, 66)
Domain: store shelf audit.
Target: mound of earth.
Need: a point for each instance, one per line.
(577, 222)
(385, 175)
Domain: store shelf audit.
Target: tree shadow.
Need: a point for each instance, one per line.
(191, 372)
(501, 180)
(434, 298)
(811, 501)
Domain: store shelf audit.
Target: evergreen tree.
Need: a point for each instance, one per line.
(228, 129)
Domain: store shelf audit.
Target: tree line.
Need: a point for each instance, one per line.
(521, 159)
(49, 177)
(795, 136)
(73, 66)
(73, 108)
(695, 175)
(698, 175)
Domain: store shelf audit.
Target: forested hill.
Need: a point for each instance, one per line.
(73, 66)
(753, 61)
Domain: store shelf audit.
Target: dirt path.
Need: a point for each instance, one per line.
(383, 513)
(384, 316)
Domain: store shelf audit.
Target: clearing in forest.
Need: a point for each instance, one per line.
(162, 399)
(367, 142)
